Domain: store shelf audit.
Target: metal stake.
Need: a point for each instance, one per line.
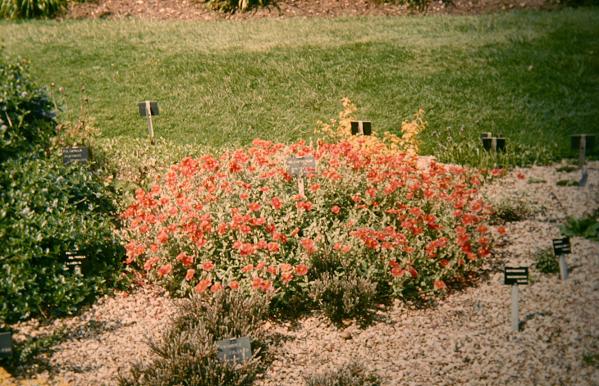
(563, 267)
(150, 125)
(515, 310)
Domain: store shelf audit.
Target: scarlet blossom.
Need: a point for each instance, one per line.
(149, 264)
(222, 229)
(502, 230)
(305, 205)
(165, 270)
(286, 277)
(335, 209)
(162, 237)
(315, 187)
(397, 271)
(444, 263)
(301, 269)
(144, 228)
(393, 263)
(154, 247)
(216, 287)
(273, 247)
(273, 269)
(208, 266)
(256, 282)
(285, 267)
(439, 285)
(247, 268)
(185, 259)
(261, 265)
(261, 244)
(234, 284)
(266, 285)
(189, 275)
(413, 272)
(520, 176)
(244, 196)
(254, 206)
(308, 245)
(203, 285)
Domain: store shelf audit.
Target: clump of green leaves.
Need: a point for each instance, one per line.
(546, 262)
(28, 9)
(350, 374)
(567, 183)
(587, 227)
(26, 112)
(344, 295)
(187, 354)
(510, 211)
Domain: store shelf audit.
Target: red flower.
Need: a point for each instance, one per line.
(273, 247)
(247, 268)
(396, 271)
(165, 270)
(185, 259)
(308, 245)
(234, 284)
(335, 209)
(254, 206)
(149, 264)
(444, 263)
(162, 237)
(208, 266)
(189, 274)
(285, 267)
(502, 230)
(286, 277)
(276, 203)
(216, 287)
(203, 285)
(439, 285)
(301, 269)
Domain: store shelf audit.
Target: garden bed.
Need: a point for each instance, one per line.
(463, 339)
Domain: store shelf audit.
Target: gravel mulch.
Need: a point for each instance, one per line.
(465, 339)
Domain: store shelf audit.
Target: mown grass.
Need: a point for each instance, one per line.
(531, 76)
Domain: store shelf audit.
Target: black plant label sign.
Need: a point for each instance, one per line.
(75, 154)
(153, 108)
(237, 350)
(561, 246)
(515, 275)
(5, 344)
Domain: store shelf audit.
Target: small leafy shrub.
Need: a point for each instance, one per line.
(567, 168)
(546, 261)
(344, 296)
(351, 374)
(235, 5)
(587, 227)
(187, 354)
(26, 113)
(567, 183)
(29, 9)
(47, 210)
(510, 211)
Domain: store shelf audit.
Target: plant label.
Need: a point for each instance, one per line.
(361, 127)
(236, 350)
(493, 143)
(486, 135)
(75, 154)
(515, 275)
(297, 166)
(5, 344)
(561, 246)
(74, 261)
(143, 108)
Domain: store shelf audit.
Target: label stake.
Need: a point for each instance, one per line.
(561, 247)
(514, 276)
(150, 125)
(515, 308)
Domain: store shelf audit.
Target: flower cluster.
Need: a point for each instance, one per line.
(239, 220)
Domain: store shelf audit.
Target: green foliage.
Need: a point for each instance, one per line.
(29, 9)
(32, 355)
(26, 113)
(47, 210)
(344, 296)
(546, 261)
(235, 5)
(591, 359)
(187, 354)
(510, 211)
(567, 183)
(351, 374)
(587, 227)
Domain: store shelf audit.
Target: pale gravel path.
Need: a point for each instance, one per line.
(465, 340)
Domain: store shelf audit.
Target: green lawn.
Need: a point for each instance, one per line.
(532, 76)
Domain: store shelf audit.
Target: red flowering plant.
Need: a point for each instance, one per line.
(239, 220)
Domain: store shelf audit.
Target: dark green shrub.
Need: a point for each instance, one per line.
(352, 374)
(587, 227)
(344, 296)
(47, 210)
(546, 262)
(28, 9)
(510, 211)
(235, 5)
(187, 354)
(26, 113)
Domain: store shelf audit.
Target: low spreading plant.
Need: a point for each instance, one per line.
(587, 227)
(546, 261)
(350, 374)
(241, 221)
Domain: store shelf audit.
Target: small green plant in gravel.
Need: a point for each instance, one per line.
(591, 359)
(567, 183)
(587, 227)
(187, 354)
(510, 211)
(350, 374)
(235, 5)
(546, 262)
